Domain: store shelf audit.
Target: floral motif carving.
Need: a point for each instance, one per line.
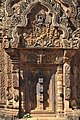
(76, 38)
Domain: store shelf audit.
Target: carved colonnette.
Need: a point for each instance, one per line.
(23, 89)
(59, 90)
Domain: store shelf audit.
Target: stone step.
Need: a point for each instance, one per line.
(43, 115)
(45, 118)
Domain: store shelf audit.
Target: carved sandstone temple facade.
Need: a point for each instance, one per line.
(40, 59)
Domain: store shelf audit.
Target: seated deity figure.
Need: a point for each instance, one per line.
(56, 38)
(28, 39)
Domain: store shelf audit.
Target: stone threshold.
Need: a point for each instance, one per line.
(44, 118)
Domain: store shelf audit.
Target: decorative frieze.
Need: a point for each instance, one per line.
(44, 56)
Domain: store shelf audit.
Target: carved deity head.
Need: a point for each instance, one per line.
(40, 17)
(56, 33)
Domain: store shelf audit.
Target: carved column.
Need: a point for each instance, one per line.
(40, 94)
(59, 82)
(51, 94)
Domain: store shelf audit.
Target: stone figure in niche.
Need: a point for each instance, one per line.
(40, 18)
(39, 37)
(12, 98)
(57, 40)
(16, 98)
(9, 98)
(9, 94)
(28, 39)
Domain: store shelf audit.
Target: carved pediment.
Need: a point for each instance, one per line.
(44, 23)
(39, 28)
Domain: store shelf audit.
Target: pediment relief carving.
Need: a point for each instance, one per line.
(39, 28)
(35, 24)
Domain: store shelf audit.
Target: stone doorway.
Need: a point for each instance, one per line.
(41, 76)
(40, 89)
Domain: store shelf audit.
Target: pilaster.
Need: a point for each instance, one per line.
(67, 77)
(59, 90)
(23, 94)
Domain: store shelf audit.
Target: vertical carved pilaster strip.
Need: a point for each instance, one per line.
(68, 54)
(15, 83)
(22, 89)
(59, 80)
(0, 66)
(0, 86)
(9, 86)
(6, 77)
(66, 77)
(51, 93)
(9, 73)
(3, 75)
(78, 84)
(39, 92)
(74, 82)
